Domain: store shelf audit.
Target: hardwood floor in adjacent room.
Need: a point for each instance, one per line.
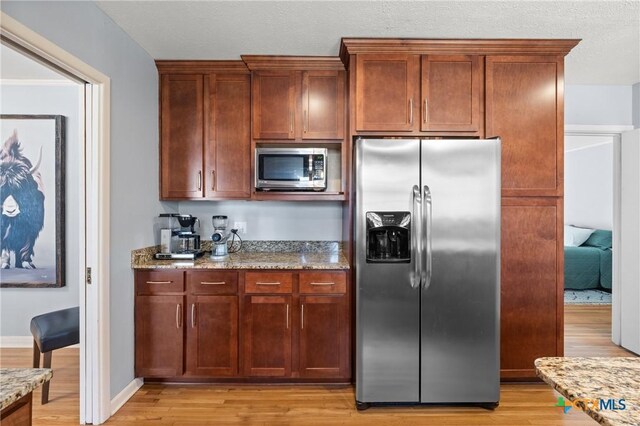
(587, 331)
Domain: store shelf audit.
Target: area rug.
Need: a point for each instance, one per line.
(586, 297)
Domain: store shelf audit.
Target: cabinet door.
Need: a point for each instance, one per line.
(323, 104)
(228, 147)
(212, 336)
(267, 336)
(531, 284)
(386, 92)
(451, 93)
(182, 128)
(273, 104)
(323, 336)
(524, 104)
(159, 336)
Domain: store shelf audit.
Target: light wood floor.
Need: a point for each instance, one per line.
(586, 334)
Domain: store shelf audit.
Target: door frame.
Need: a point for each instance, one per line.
(616, 132)
(95, 400)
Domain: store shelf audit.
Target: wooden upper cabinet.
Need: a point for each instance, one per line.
(182, 125)
(212, 336)
(205, 133)
(386, 91)
(451, 92)
(274, 104)
(524, 107)
(159, 334)
(531, 284)
(323, 104)
(228, 149)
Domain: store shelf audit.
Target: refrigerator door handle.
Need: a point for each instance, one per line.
(415, 235)
(426, 237)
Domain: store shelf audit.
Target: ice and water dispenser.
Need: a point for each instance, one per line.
(388, 237)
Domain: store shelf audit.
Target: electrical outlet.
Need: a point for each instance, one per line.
(241, 227)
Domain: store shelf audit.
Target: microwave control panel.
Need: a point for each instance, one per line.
(318, 167)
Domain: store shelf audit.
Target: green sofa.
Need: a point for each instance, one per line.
(589, 265)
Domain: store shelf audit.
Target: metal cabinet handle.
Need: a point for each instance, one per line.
(199, 180)
(287, 316)
(193, 315)
(424, 111)
(178, 316)
(306, 122)
(411, 111)
(213, 176)
(290, 121)
(330, 283)
(159, 282)
(260, 283)
(428, 235)
(213, 282)
(302, 325)
(415, 232)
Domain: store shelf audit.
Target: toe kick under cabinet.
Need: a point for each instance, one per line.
(243, 325)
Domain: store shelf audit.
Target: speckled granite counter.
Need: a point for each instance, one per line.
(18, 382)
(256, 255)
(593, 379)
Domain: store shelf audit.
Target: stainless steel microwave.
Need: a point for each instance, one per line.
(291, 169)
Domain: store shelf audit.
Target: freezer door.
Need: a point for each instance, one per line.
(461, 279)
(387, 292)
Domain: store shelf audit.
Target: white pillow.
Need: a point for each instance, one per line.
(574, 237)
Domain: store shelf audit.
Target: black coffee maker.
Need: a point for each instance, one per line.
(188, 239)
(388, 237)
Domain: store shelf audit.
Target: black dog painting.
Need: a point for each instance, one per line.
(32, 196)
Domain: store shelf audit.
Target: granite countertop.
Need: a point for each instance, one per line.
(593, 379)
(255, 255)
(18, 382)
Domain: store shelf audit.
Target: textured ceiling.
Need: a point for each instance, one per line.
(608, 54)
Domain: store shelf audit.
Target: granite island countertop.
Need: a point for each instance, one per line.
(18, 382)
(255, 255)
(582, 380)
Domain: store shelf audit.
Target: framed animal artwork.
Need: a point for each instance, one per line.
(32, 193)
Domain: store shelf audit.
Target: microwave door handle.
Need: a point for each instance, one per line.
(427, 214)
(415, 235)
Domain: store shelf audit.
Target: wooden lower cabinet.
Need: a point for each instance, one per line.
(244, 325)
(323, 336)
(212, 336)
(532, 284)
(267, 336)
(159, 335)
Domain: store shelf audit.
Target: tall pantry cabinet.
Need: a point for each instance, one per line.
(512, 89)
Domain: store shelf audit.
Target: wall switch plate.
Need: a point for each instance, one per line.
(241, 227)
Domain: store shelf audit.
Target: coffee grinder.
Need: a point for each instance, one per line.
(219, 249)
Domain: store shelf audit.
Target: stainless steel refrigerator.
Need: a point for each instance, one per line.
(427, 267)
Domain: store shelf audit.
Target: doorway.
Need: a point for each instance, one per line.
(591, 228)
(92, 268)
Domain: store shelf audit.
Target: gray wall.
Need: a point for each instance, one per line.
(273, 220)
(588, 183)
(598, 105)
(636, 105)
(19, 305)
(85, 31)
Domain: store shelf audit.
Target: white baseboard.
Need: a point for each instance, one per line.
(20, 342)
(16, 341)
(125, 394)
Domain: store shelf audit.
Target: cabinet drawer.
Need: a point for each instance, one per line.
(323, 282)
(150, 282)
(268, 282)
(212, 282)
